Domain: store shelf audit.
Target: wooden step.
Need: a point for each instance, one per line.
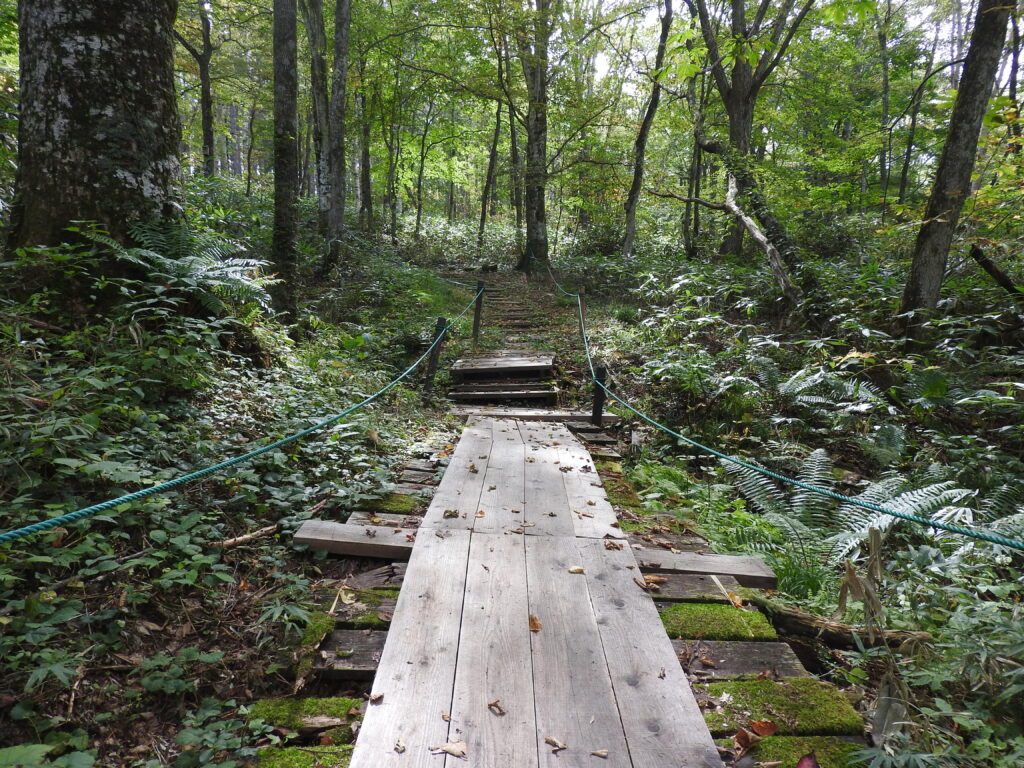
(748, 571)
(413, 489)
(352, 654)
(356, 540)
(488, 396)
(504, 386)
(411, 476)
(529, 414)
(501, 366)
(693, 587)
(386, 519)
(599, 438)
(730, 659)
(423, 465)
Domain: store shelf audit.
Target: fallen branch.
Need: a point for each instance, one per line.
(995, 272)
(260, 534)
(833, 633)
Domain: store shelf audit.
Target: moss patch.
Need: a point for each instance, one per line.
(306, 757)
(800, 706)
(368, 617)
(715, 622)
(609, 466)
(622, 493)
(396, 503)
(319, 625)
(288, 713)
(831, 752)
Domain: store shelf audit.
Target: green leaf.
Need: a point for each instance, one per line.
(24, 756)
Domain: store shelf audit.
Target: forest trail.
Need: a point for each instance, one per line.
(524, 633)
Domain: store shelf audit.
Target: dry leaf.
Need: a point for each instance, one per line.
(661, 675)
(600, 753)
(810, 760)
(590, 503)
(480, 513)
(355, 711)
(496, 708)
(453, 748)
(384, 616)
(399, 747)
(555, 743)
(744, 740)
(764, 728)
(577, 569)
(707, 661)
(535, 624)
(735, 599)
(376, 698)
(609, 544)
(446, 717)
(449, 513)
(370, 532)
(654, 578)
(642, 584)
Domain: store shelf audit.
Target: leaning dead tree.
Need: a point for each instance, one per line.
(782, 279)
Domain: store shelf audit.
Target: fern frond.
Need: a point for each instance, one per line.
(810, 507)
(759, 490)
(1003, 502)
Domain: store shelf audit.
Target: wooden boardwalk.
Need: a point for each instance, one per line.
(521, 638)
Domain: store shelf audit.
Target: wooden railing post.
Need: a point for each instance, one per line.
(601, 376)
(478, 309)
(435, 355)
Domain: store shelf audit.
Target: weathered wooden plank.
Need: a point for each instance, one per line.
(494, 658)
(412, 476)
(526, 414)
(737, 658)
(458, 496)
(574, 700)
(546, 507)
(422, 465)
(384, 519)
(353, 654)
(414, 489)
(693, 587)
(748, 571)
(355, 540)
(660, 717)
(505, 361)
(531, 394)
(417, 669)
(502, 499)
(592, 513)
(390, 575)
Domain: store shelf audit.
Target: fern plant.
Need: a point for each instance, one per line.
(200, 264)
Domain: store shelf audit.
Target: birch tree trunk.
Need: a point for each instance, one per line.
(98, 134)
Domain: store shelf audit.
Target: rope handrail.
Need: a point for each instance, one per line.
(557, 284)
(992, 538)
(45, 525)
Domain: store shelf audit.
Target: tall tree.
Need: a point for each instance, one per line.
(640, 145)
(953, 175)
(336, 135)
(313, 19)
(203, 54)
(755, 50)
(286, 156)
(98, 134)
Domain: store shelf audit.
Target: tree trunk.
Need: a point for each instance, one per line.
(424, 151)
(286, 157)
(203, 57)
(534, 56)
(313, 18)
(882, 25)
(250, 145)
(98, 134)
(490, 182)
(235, 147)
(336, 136)
(640, 145)
(365, 178)
(953, 175)
(915, 110)
(1015, 126)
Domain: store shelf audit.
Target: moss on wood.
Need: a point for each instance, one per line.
(369, 617)
(799, 706)
(305, 757)
(714, 621)
(289, 713)
(396, 503)
(831, 752)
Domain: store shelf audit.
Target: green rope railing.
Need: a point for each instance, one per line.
(992, 538)
(70, 517)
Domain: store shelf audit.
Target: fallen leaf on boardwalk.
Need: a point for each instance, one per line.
(376, 698)
(642, 584)
(410, 536)
(599, 753)
(453, 748)
(384, 616)
(370, 532)
(479, 513)
(446, 717)
(735, 599)
(496, 708)
(609, 544)
(482, 456)
(591, 502)
(707, 661)
(577, 569)
(554, 743)
(535, 624)
(473, 469)
(516, 511)
(654, 578)
(399, 747)
(810, 760)
(451, 513)
(346, 597)
(675, 551)
(492, 488)
(317, 722)
(355, 711)
(763, 728)
(661, 675)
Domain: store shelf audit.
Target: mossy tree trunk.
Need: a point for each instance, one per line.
(98, 134)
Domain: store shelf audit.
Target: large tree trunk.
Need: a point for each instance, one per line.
(313, 18)
(98, 134)
(640, 145)
(336, 136)
(286, 156)
(882, 28)
(534, 56)
(424, 151)
(953, 175)
(365, 179)
(203, 57)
